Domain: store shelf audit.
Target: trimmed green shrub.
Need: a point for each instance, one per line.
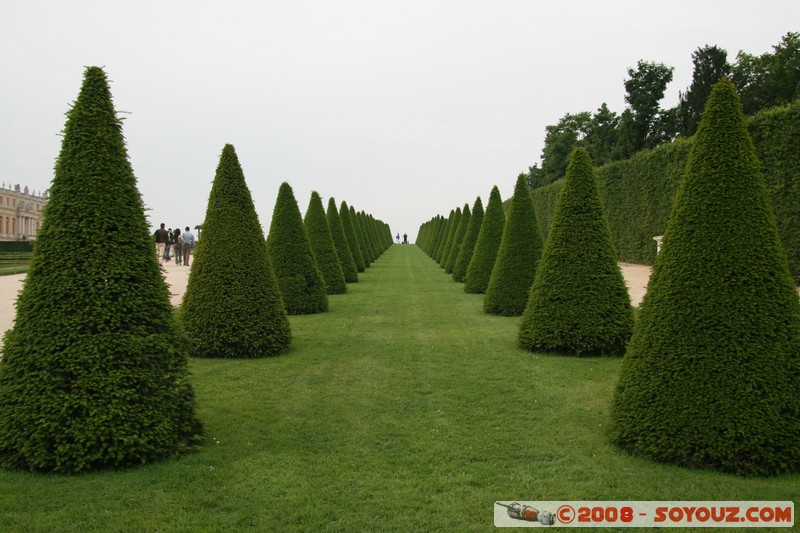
(463, 222)
(359, 233)
(483, 257)
(350, 235)
(299, 278)
(94, 372)
(711, 378)
(340, 241)
(578, 302)
(452, 228)
(443, 236)
(517, 257)
(468, 242)
(233, 306)
(319, 235)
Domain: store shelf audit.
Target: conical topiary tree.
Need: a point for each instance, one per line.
(452, 228)
(578, 303)
(350, 235)
(468, 242)
(359, 235)
(483, 257)
(340, 241)
(711, 377)
(94, 372)
(232, 306)
(319, 235)
(296, 269)
(517, 257)
(463, 222)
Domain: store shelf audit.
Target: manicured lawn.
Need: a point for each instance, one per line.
(404, 408)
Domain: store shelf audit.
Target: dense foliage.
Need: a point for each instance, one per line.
(711, 378)
(517, 258)
(296, 269)
(483, 257)
(321, 239)
(232, 306)
(343, 252)
(468, 242)
(578, 303)
(94, 372)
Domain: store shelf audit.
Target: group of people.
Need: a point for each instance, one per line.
(405, 238)
(180, 243)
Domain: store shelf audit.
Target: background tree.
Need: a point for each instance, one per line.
(94, 371)
(319, 235)
(644, 124)
(232, 306)
(350, 235)
(710, 64)
(770, 79)
(296, 269)
(711, 378)
(602, 136)
(578, 302)
(343, 252)
(480, 265)
(468, 243)
(517, 257)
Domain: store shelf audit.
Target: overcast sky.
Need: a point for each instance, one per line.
(404, 109)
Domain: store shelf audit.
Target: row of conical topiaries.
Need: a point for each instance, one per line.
(94, 373)
(711, 372)
(569, 290)
(241, 288)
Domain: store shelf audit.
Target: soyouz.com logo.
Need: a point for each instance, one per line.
(694, 514)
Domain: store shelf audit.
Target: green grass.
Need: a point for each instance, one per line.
(404, 408)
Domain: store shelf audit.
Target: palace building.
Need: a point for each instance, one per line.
(21, 213)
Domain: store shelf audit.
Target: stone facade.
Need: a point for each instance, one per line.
(21, 213)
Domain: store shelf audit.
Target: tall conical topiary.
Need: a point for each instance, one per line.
(483, 257)
(94, 372)
(711, 377)
(468, 242)
(233, 306)
(578, 303)
(340, 241)
(452, 229)
(463, 222)
(350, 235)
(517, 257)
(319, 235)
(359, 233)
(299, 278)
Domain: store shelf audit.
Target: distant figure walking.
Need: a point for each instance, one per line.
(177, 246)
(397, 238)
(405, 238)
(168, 246)
(188, 244)
(162, 238)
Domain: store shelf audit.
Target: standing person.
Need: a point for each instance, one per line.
(397, 238)
(177, 245)
(405, 238)
(162, 237)
(168, 246)
(188, 243)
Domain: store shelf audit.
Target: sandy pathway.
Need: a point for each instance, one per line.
(636, 277)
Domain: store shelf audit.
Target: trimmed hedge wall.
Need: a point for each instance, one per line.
(638, 193)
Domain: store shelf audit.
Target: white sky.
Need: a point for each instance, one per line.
(404, 109)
